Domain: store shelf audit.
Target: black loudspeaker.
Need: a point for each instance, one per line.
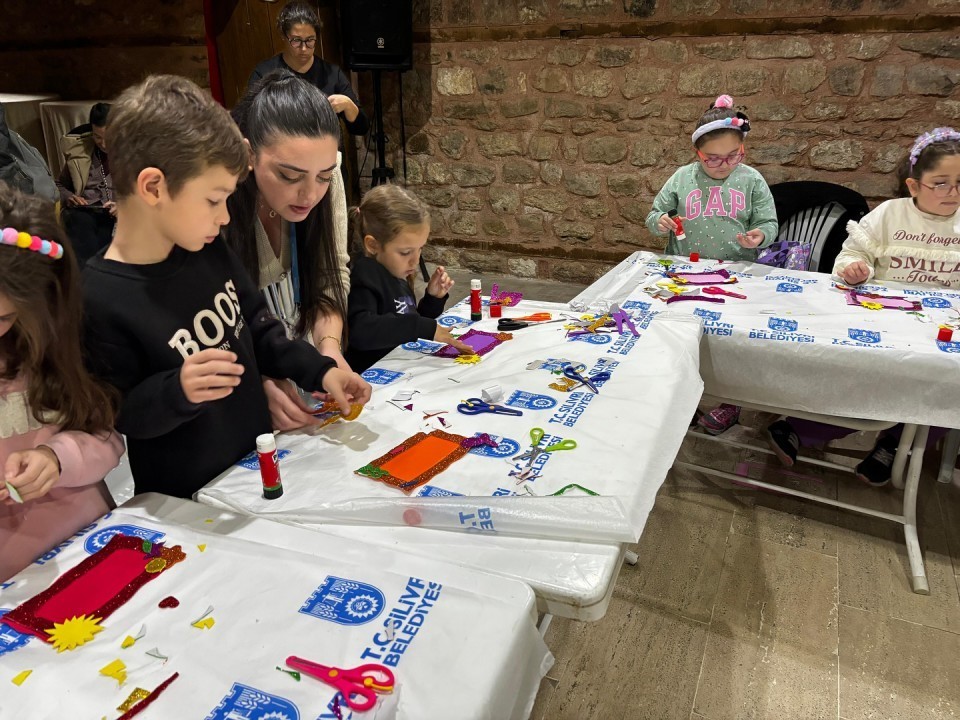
(378, 34)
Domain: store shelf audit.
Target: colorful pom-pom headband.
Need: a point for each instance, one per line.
(936, 135)
(734, 123)
(11, 236)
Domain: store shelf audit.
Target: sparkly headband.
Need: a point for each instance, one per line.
(734, 123)
(10, 236)
(937, 135)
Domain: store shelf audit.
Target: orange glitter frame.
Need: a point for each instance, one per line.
(416, 461)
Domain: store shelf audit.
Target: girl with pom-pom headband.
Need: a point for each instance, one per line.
(941, 134)
(26, 241)
(739, 122)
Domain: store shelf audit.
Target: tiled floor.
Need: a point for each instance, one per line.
(746, 605)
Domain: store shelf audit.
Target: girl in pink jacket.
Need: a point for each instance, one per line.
(56, 436)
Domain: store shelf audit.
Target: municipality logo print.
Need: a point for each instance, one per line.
(789, 288)
(99, 539)
(345, 602)
(707, 315)
(379, 376)
(10, 639)
(592, 338)
(252, 461)
(530, 401)
(935, 302)
(426, 347)
(864, 336)
(782, 324)
(246, 703)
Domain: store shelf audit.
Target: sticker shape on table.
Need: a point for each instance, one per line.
(415, 461)
(481, 342)
(205, 621)
(95, 588)
(73, 632)
(129, 640)
(20, 677)
(115, 669)
(506, 299)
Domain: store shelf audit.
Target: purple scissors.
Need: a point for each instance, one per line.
(622, 318)
(363, 680)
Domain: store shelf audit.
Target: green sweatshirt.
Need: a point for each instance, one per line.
(715, 211)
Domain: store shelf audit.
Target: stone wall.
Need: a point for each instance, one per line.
(539, 131)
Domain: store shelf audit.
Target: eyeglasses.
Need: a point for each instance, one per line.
(942, 190)
(715, 162)
(302, 42)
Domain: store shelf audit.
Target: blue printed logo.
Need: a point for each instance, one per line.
(345, 602)
(593, 339)
(430, 491)
(949, 347)
(426, 347)
(99, 539)
(789, 288)
(252, 461)
(530, 401)
(453, 321)
(379, 376)
(935, 302)
(635, 305)
(246, 703)
(11, 639)
(558, 364)
(707, 315)
(864, 336)
(506, 447)
(782, 324)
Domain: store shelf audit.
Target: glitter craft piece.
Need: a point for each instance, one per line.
(417, 460)
(96, 587)
(330, 412)
(711, 277)
(872, 301)
(507, 299)
(481, 342)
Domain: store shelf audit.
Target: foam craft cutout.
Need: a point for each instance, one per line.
(95, 588)
(872, 301)
(714, 277)
(116, 670)
(20, 677)
(416, 461)
(330, 412)
(73, 633)
(507, 299)
(481, 342)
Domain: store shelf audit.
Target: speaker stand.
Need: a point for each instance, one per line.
(381, 174)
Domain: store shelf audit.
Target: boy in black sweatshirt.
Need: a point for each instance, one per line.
(172, 319)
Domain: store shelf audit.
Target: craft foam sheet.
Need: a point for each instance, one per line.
(469, 645)
(796, 342)
(632, 430)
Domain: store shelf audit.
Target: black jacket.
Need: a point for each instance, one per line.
(382, 313)
(141, 323)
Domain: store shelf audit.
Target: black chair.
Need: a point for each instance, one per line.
(816, 214)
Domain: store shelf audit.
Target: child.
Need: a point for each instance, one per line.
(726, 208)
(393, 226)
(174, 321)
(913, 240)
(56, 438)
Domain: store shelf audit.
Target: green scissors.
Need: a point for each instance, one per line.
(535, 451)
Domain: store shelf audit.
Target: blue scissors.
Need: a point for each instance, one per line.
(535, 451)
(571, 372)
(475, 406)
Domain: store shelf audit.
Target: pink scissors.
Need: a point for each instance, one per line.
(713, 290)
(363, 680)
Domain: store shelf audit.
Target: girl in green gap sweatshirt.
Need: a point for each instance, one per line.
(725, 206)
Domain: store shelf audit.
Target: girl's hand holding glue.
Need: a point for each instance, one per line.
(440, 284)
(750, 239)
(443, 335)
(346, 388)
(854, 273)
(210, 375)
(31, 474)
(666, 224)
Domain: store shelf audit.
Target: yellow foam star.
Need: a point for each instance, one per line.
(20, 677)
(467, 359)
(871, 305)
(74, 632)
(116, 670)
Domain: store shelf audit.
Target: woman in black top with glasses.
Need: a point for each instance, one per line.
(299, 25)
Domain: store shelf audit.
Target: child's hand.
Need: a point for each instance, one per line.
(443, 335)
(750, 239)
(440, 283)
(287, 410)
(347, 388)
(210, 375)
(854, 273)
(665, 223)
(31, 472)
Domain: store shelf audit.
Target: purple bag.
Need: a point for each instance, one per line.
(787, 254)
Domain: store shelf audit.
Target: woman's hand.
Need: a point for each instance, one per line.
(32, 472)
(854, 273)
(76, 201)
(343, 104)
(287, 410)
(346, 388)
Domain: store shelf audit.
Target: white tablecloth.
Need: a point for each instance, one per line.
(473, 650)
(60, 117)
(795, 343)
(23, 116)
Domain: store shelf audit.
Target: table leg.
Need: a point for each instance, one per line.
(545, 624)
(951, 446)
(903, 452)
(917, 571)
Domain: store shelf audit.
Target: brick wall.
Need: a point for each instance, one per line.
(540, 130)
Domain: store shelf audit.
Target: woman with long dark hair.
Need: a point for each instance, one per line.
(282, 220)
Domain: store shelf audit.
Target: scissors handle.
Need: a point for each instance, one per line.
(507, 324)
(363, 681)
(536, 435)
(562, 445)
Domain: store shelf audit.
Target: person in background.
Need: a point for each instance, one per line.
(88, 209)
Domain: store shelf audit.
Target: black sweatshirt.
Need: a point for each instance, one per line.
(325, 76)
(141, 323)
(382, 313)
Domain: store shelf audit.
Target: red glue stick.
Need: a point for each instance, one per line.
(945, 334)
(269, 466)
(476, 311)
(678, 224)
